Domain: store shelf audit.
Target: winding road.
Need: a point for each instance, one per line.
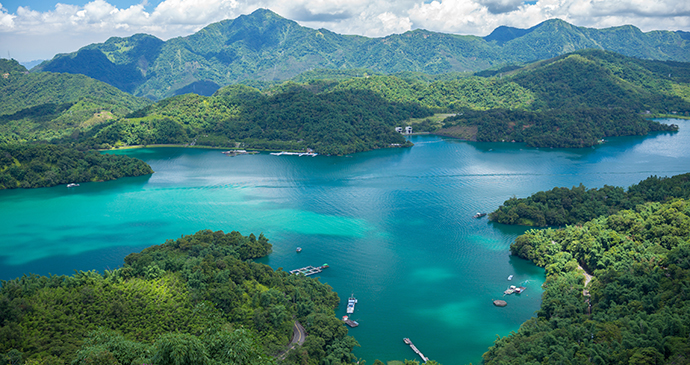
(298, 337)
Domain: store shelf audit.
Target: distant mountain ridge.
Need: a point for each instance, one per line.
(264, 46)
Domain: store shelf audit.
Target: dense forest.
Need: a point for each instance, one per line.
(561, 206)
(573, 100)
(43, 165)
(46, 105)
(198, 299)
(635, 309)
(295, 119)
(557, 128)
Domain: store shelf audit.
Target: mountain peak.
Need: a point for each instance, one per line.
(504, 34)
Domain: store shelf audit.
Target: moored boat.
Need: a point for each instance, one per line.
(479, 215)
(351, 304)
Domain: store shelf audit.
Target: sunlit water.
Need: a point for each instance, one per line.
(395, 225)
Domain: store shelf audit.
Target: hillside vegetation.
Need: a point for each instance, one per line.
(635, 309)
(571, 101)
(41, 165)
(46, 105)
(561, 206)
(265, 47)
(194, 300)
(295, 119)
(579, 99)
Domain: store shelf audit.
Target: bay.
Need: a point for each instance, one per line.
(394, 225)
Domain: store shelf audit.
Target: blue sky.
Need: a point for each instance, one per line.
(48, 5)
(39, 29)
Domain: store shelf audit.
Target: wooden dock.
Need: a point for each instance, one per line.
(309, 270)
(350, 322)
(415, 349)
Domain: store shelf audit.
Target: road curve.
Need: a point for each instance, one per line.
(298, 334)
(298, 337)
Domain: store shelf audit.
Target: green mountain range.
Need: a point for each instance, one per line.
(263, 46)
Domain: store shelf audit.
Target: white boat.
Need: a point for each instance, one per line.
(510, 277)
(351, 305)
(72, 185)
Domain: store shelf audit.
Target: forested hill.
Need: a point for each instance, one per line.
(295, 118)
(264, 46)
(46, 105)
(579, 99)
(196, 300)
(43, 165)
(561, 206)
(635, 309)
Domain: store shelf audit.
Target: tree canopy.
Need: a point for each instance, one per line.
(636, 308)
(198, 299)
(43, 165)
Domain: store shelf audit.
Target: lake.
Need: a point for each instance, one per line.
(394, 225)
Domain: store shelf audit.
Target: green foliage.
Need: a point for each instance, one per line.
(636, 309)
(561, 206)
(558, 128)
(194, 300)
(45, 105)
(10, 66)
(337, 122)
(469, 92)
(264, 48)
(43, 165)
(569, 101)
(598, 79)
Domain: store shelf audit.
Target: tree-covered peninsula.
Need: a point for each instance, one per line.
(616, 291)
(198, 299)
(293, 118)
(43, 165)
(577, 205)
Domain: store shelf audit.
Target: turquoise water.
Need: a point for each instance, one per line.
(395, 225)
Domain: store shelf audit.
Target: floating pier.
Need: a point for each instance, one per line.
(350, 322)
(283, 153)
(415, 349)
(309, 270)
(233, 153)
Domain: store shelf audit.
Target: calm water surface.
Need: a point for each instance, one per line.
(395, 226)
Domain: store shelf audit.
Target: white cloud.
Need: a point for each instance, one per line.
(68, 27)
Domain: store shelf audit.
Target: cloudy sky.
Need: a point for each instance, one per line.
(39, 29)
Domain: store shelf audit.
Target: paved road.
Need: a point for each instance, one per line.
(298, 337)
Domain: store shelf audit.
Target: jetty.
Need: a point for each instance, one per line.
(283, 153)
(350, 322)
(309, 270)
(415, 349)
(233, 153)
